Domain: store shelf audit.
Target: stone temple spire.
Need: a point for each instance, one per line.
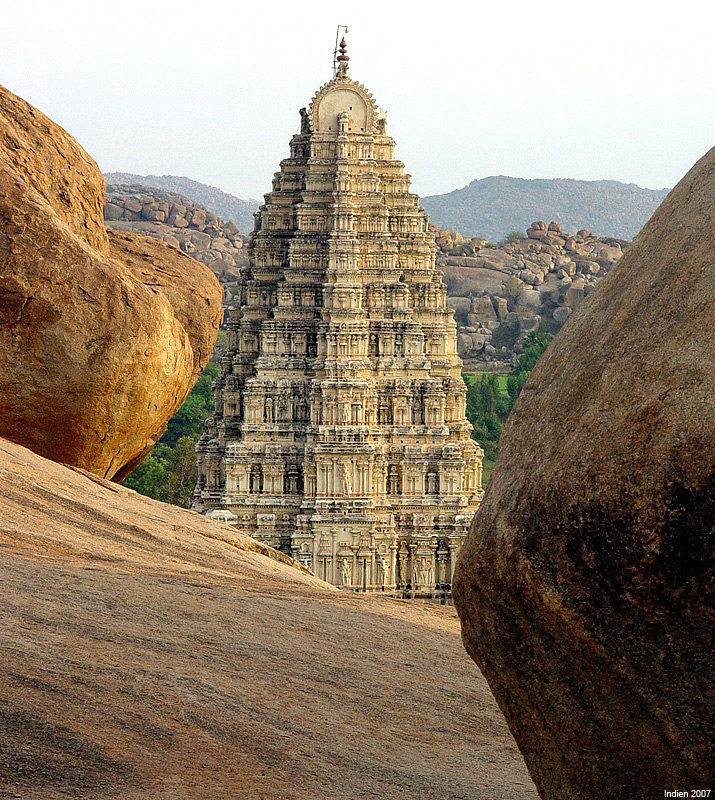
(339, 433)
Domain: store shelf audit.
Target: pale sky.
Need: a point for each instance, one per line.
(608, 90)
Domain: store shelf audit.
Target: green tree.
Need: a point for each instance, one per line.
(513, 287)
(181, 473)
(486, 410)
(189, 419)
(488, 406)
(514, 236)
(148, 478)
(534, 347)
(169, 472)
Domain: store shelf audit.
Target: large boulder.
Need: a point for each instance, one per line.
(586, 588)
(146, 655)
(101, 338)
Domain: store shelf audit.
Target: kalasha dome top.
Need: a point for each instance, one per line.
(339, 434)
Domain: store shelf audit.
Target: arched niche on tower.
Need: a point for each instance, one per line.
(337, 102)
(338, 97)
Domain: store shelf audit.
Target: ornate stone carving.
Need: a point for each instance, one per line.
(345, 479)
(346, 571)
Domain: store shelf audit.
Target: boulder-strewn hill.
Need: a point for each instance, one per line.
(150, 652)
(502, 293)
(493, 207)
(215, 200)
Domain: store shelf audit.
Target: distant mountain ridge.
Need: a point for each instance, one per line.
(494, 207)
(491, 207)
(225, 205)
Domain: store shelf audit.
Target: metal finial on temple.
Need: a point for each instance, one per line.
(343, 51)
(341, 59)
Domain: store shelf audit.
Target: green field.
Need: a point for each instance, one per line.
(473, 377)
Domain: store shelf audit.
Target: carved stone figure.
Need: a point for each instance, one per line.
(402, 562)
(384, 572)
(346, 571)
(346, 478)
(431, 482)
(442, 570)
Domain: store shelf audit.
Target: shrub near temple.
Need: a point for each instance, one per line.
(488, 406)
(169, 473)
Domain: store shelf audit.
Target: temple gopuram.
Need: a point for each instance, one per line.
(339, 434)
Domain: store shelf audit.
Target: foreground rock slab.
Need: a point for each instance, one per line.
(98, 348)
(149, 652)
(587, 586)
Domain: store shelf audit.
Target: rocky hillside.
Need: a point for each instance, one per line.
(490, 207)
(500, 294)
(150, 652)
(533, 283)
(493, 207)
(180, 222)
(218, 202)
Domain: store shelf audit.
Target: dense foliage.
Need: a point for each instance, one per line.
(490, 397)
(169, 473)
(189, 419)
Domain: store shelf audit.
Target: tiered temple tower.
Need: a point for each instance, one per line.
(339, 434)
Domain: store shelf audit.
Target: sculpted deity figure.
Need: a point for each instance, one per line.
(442, 570)
(426, 572)
(417, 574)
(421, 571)
(404, 579)
(344, 414)
(431, 482)
(384, 572)
(345, 478)
(346, 571)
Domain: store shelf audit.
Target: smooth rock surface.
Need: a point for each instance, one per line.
(587, 586)
(150, 653)
(99, 342)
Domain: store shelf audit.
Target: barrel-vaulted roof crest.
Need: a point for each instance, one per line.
(341, 86)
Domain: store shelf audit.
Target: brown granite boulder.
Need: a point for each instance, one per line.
(101, 338)
(586, 588)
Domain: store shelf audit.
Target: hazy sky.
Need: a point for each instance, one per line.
(616, 90)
